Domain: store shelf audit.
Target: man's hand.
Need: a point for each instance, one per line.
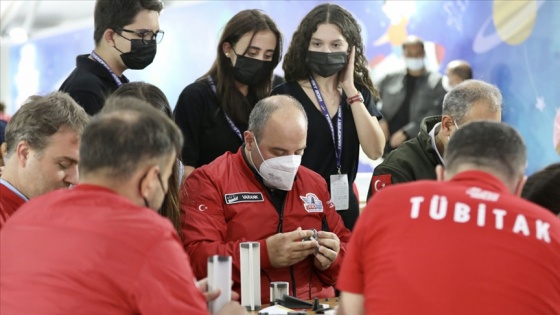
(286, 249)
(397, 139)
(329, 246)
(232, 308)
(202, 285)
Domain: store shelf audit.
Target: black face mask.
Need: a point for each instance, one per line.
(251, 71)
(141, 55)
(326, 64)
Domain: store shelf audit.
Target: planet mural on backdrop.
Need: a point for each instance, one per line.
(513, 21)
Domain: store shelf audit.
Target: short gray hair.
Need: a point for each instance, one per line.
(41, 117)
(461, 98)
(264, 109)
(489, 146)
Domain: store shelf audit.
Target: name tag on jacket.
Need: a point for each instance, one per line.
(243, 197)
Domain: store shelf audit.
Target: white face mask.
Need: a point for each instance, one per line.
(278, 172)
(414, 64)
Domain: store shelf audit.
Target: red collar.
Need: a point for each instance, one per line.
(481, 179)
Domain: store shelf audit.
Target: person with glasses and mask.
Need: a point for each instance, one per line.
(126, 36)
(101, 247)
(262, 194)
(213, 111)
(327, 72)
(416, 159)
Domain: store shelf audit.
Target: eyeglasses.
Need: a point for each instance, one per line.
(146, 35)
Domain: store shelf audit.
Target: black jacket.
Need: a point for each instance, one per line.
(90, 84)
(413, 160)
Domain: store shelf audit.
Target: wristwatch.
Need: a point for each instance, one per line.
(356, 98)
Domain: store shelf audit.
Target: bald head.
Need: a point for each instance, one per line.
(282, 110)
(458, 71)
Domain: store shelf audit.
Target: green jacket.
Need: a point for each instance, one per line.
(413, 160)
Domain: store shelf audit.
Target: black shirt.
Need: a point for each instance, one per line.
(319, 155)
(203, 123)
(90, 84)
(402, 115)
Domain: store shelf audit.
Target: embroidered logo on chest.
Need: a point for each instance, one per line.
(311, 203)
(243, 197)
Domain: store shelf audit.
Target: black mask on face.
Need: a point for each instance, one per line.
(326, 64)
(141, 55)
(251, 71)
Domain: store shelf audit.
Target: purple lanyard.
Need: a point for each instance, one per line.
(325, 111)
(96, 57)
(230, 122)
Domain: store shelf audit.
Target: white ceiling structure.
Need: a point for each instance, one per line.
(35, 17)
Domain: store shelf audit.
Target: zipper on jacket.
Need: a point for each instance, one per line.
(294, 291)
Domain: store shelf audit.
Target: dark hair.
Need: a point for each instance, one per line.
(543, 188)
(170, 208)
(231, 100)
(147, 92)
(2, 107)
(114, 14)
(41, 117)
(489, 146)
(294, 62)
(127, 134)
(463, 71)
(413, 40)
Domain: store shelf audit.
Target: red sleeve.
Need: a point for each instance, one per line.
(205, 228)
(166, 284)
(336, 225)
(351, 277)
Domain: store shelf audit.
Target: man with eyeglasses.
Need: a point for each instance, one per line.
(416, 159)
(126, 36)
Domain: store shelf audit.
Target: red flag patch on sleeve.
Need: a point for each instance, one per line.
(379, 182)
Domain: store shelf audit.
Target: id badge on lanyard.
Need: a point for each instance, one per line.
(339, 182)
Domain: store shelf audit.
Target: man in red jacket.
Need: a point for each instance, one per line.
(262, 194)
(41, 150)
(101, 247)
(468, 245)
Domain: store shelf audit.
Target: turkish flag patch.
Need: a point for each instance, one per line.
(379, 182)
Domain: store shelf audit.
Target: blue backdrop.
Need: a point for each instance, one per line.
(513, 44)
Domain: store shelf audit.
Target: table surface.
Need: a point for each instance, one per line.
(332, 302)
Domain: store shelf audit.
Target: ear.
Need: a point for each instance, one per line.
(447, 125)
(3, 149)
(249, 139)
(108, 37)
(520, 185)
(147, 184)
(226, 48)
(440, 173)
(23, 152)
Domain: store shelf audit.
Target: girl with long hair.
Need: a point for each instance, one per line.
(213, 112)
(326, 70)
